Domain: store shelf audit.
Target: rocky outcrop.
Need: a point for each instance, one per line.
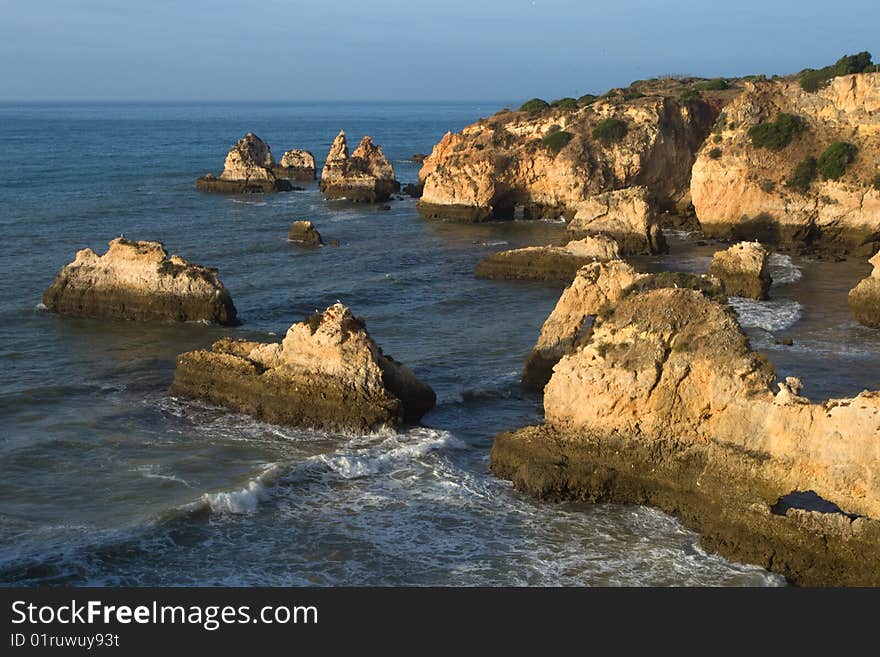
(364, 176)
(744, 191)
(596, 288)
(548, 164)
(743, 270)
(864, 298)
(137, 280)
(666, 404)
(296, 165)
(249, 169)
(305, 233)
(627, 215)
(543, 263)
(327, 373)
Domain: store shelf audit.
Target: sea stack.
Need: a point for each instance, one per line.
(296, 164)
(628, 215)
(249, 169)
(365, 176)
(138, 281)
(558, 263)
(305, 233)
(864, 298)
(327, 373)
(743, 270)
(666, 404)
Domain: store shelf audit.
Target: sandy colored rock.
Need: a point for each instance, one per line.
(305, 232)
(137, 280)
(742, 193)
(628, 215)
(743, 270)
(249, 168)
(501, 166)
(864, 298)
(666, 404)
(296, 164)
(547, 262)
(326, 373)
(364, 176)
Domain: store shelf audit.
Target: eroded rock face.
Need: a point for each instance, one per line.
(249, 168)
(740, 191)
(296, 165)
(548, 262)
(666, 404)
(327, 373)
(364, 176)
(627, 215)
(743, 270)
(511, 162)
(305, 232)
(137, 280)
(864, 298)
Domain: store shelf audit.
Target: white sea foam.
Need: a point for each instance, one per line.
(153, 471)
(774, 315)
(498, 243)
(245, 500)
(40, 306)
(782, 269)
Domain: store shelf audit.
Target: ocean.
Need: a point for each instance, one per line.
(107, 480)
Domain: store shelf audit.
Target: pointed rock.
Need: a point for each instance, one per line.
(364, 176)
(248, 169)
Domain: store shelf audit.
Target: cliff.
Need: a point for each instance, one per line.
(326, 373)
(137, 280)
(769, 172)
(864, 298)
(547, 262)
(364, 176)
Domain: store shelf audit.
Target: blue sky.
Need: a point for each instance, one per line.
(166, 50)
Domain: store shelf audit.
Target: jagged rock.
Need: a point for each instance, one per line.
(413, 189)
(740, 191)
(296, 165)
(137, 280)
(666, 404)
(305, 232)
(512, 163)
(864, 298)
(418, 158)
(327, 373)
(743, 270)
(548, 262)
(364, 176)
(628, 215)
(249, 169)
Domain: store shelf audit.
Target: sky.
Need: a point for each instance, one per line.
(296, 50)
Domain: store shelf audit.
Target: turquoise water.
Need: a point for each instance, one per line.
(105, 479)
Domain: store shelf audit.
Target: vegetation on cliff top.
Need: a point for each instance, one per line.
(565, 104)
(534, 106)
(777, 134)
(833, 161)
(555, 141)
(813, 80)
(610, 130)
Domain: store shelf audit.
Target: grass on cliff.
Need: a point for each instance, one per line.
(833, 161)
(813, 80)
(716, 84)
(715, 153)
(587, 99)
(610, 130)
(534, 106)
(557, 140)
(777, 134)
(803, 176)
(565, 104)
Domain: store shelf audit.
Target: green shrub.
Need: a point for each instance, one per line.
(587, 99)
(813, 80)
(876, 182)
(768, 186)
(777, 134)
(534, 106)
(717, 139)
(565, 104)
(689, 94)
(715, 153)
(609, 130)
(834, 160)
(803, 175)
(716, 84)
(632, 95)
(555, 141)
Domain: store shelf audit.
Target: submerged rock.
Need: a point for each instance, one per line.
(864, 298)
(365, 176)
(137, 280)
(249, 169)
(305, 232)
(743, 270)
(665, 404)
(548, 262)
(327, 373)
(628, 215)
(296, 165)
